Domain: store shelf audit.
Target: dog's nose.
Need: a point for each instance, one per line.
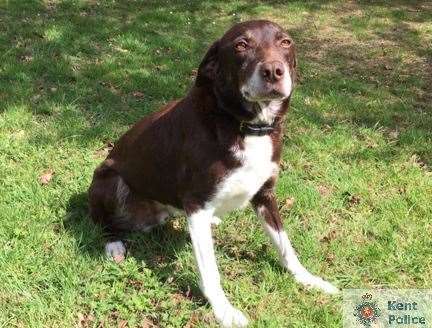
(272, 71)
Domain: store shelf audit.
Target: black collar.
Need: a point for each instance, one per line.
(249, 129)
(246, 129)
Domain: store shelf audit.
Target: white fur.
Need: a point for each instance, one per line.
(122, 193)
(115, 250)
(233, 192)
(242, 184)
(290, 260)
(202, 242)
(268, 111)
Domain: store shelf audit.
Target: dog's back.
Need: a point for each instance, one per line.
(168, 157)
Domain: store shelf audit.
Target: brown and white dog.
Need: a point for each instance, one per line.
(209, 153)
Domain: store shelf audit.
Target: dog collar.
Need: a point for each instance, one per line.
(249, 129)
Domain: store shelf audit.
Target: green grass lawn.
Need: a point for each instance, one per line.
(74, 75)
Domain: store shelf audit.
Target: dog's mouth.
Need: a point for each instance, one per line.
(268, 94)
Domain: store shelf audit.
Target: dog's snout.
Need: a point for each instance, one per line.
(272, 71)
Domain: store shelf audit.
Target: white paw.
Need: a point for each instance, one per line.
(309, 280)
(215, 220)
(116, 250)
(228, 316)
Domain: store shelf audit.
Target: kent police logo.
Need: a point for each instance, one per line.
(367, 311)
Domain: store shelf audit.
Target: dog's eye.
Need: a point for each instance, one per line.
(285, 43)
(241, 46)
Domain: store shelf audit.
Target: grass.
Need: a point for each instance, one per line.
(357, 159)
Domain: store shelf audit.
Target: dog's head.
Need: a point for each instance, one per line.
(251, 67)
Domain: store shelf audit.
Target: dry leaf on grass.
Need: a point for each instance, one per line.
(330, 258)
(283, 165)
(147, 323)
(324, 190)
(351, 199)
(354, 200)
(138, 94)
(193, 320)
(288, 204)
(188, 293)
(170, 279)
(85, 320)
(104, 151)
(417, 161)
(46, 177)
(194, 73)
(122, 324)
(394, 134)
(176, 225)
(331, 235)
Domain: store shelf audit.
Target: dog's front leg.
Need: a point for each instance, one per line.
(200, 231)
(265, 206)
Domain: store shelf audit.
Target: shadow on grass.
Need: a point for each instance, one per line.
(158, 248)
(96, 68)
(375, 74)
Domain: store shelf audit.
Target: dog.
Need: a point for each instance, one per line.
(213, 151)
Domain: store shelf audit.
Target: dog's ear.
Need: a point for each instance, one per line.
(208, 67)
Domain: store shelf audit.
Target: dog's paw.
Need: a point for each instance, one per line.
(228, 316)
(311, 281)
(328, 287)
(116, 250)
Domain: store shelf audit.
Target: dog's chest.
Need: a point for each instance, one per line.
(242, 183)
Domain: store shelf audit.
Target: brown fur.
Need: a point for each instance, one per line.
(176, 156)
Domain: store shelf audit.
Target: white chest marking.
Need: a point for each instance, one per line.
(268, 111)
(241, 184)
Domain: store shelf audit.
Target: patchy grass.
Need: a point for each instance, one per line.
(357, 159)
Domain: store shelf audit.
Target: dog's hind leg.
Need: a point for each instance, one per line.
(118, 210)
(105, 206)
(266, 208)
